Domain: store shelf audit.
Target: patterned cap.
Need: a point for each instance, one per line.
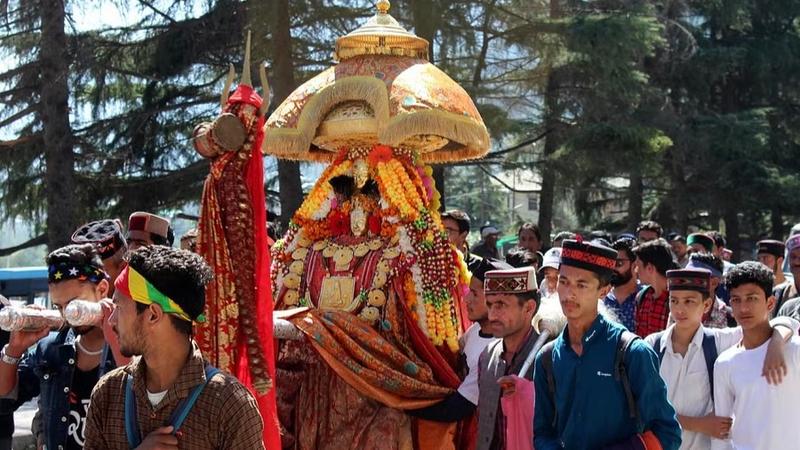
(771, 247)
(510, 281)
(698, 280)
(144, 221)
(701, 238)
(105, 234)
(589, 256)
(793, 242)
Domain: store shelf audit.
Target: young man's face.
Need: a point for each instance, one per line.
(137, 239)
(688, 307)
(679, 248)
(529, 241)
(751, 307)
(647, 235)
(508, 315)
(770, 261)
(476, 301)
(128, 324)
(578, 291)
(646, 272)
(794, 263)
(62, 293)
(697, 248)
(623, 270)
(551, 278)
(454, 235)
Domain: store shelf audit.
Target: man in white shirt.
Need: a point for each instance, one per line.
(687, 351)
(764, 415)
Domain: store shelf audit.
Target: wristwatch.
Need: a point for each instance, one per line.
(4, 357)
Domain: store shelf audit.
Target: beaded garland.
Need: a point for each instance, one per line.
(431, 272)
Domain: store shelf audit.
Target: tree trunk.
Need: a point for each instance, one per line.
(732, 232)
(635, 199)
(776, 219)
(290, 186)
(56, 131)
(552, 124)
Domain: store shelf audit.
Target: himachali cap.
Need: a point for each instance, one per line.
(771, 247)
(105, 234)
(698, 280)
(487, 265)
(143, 221)
(793, 242)
(510, 281)
(703, 239)
(588, 256)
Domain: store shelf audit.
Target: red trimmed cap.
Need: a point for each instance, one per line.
(510, 281)
(698, 280)
(589, 256)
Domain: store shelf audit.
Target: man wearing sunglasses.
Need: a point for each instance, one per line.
(625, 286)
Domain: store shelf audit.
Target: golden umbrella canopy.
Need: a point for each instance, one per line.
(383, 91)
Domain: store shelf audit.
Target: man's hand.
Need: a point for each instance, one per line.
(508, 384)
(715, 426)
(160, 439)
(109, 335)
(774, 363)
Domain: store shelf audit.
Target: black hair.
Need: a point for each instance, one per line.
(77, 254)
(520, 257)
(460, 217)
(649, 225)
(523, 297)
(708, 259)
(750, 272)
(161, 240)
(529, 226)
(626, 245)
(719, 239)
(179, 274)
(658, 253)
(564, 235)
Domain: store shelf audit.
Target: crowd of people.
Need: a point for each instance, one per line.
(667, 343)
(654, 343)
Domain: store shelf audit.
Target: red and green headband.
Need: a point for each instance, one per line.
(134, 285)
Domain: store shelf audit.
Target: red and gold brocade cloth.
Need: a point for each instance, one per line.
(347, 389)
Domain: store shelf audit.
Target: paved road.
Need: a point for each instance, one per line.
(23, 439)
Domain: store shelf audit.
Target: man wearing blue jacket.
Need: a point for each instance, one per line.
(581, 400)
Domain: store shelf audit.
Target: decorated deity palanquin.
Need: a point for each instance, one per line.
(365, 271)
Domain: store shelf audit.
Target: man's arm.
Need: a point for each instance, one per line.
(723, 402)
(452, 409)
(545, 436)
(241, 425)
(650, 392)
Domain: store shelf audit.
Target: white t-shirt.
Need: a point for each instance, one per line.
(473, 346)
(764, 416)
(155, 397)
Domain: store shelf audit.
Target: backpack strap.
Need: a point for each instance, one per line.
(547, 365)
(131, 423)
(658, 348)
(185, 406)
(621, 373)
(779, 298)
(178, 416)
(640, 295)
(710, 353)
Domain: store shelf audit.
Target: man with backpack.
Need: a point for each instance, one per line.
(596, 385)
(170, 397)
(687, 351)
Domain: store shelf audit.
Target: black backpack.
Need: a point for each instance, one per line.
(620, 374)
